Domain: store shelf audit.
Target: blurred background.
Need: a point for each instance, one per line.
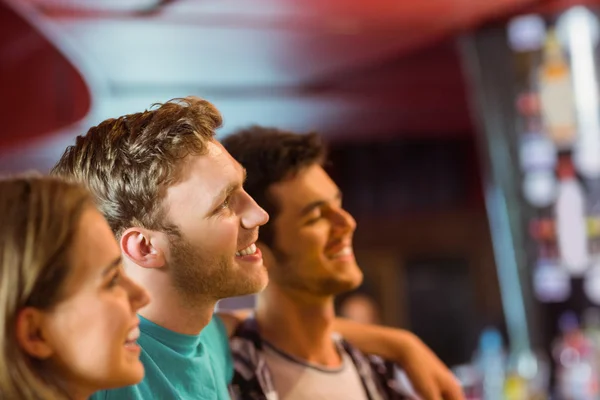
(465, 135)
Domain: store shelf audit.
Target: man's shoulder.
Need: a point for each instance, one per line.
(248, 379)
(377, 364)
(215, 341)
(215, 331)
(390, 379)
(246, 341)
(214, 338)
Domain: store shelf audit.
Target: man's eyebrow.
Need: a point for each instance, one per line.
(316, 204)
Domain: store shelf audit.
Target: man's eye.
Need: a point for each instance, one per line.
(225, 204)
(314, 217)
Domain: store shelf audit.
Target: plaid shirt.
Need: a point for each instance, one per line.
(252, 379)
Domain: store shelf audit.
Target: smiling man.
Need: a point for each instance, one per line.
(307, 247)
(174, 197)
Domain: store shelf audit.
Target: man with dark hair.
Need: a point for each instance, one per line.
(307, 249)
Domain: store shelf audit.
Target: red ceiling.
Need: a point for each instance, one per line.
(393, 62)
(41, 91)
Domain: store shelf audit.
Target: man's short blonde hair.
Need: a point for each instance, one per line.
(128, 163)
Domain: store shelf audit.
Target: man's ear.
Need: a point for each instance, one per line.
(144, 247)
(31, 335)
(267, 254)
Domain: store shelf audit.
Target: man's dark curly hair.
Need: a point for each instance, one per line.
(270, 156)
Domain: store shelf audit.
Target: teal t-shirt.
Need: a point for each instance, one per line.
(185, 367)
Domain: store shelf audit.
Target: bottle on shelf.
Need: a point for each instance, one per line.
(551, 280)
(576, 371)
(556, 94)
(571, 223)
(491, 362)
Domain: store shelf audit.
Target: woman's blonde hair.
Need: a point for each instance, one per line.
(39, 217)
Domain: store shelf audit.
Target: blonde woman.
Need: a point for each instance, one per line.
(69, 314)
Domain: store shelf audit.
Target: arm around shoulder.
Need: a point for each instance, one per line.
(427, 373)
